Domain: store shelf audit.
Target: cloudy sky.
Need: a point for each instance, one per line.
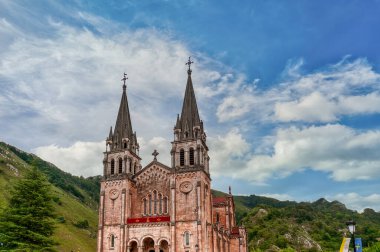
(289, 90)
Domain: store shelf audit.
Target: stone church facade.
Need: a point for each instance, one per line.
(162, 208)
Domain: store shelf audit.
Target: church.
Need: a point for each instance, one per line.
(164, 207)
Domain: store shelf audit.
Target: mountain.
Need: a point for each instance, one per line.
(306, 226)
(75, 198)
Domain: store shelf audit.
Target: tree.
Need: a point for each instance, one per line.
(27, 222)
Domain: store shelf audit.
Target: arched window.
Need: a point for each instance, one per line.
(112, 242)
(191, 156)
(120, 165)
(112, 166)
(186, 239)
(160, 202)
(150, 204)
(217, 217)
(145, 206)
(155, 201)
(165, 205)
(125, 145)
(181, 157)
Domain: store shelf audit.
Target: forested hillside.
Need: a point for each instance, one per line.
(272, 224)
(75, 198)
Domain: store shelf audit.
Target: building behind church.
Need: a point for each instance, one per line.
(161, 208)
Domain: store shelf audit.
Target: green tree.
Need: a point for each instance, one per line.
(27, 224)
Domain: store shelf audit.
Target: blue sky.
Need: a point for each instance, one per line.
(289, 90)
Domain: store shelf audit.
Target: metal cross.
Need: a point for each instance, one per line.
(155, 154)
(125, 78)
(189, 62)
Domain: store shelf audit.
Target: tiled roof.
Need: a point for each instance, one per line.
(219, 200)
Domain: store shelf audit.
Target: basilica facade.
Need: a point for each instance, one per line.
(164, 207)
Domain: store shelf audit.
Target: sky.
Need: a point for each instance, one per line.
(289, 91)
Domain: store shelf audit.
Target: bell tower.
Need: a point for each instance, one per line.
(189, 148)
(122, 153)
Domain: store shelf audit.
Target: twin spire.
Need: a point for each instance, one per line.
(188, 125)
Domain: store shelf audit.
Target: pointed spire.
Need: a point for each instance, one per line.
(178, 123)
(123, 127)
(190, 115)
(110, 134)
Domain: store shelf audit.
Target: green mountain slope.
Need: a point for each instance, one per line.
(305, 226)
(75, 198)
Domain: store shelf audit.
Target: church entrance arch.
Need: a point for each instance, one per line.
(164, 246)
(133, 247)
(148, 245)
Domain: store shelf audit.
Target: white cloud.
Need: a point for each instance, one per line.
(346, 88)
(358, 202)
(160, 144)
(336, 149)
(313, 107)
(68, 83)
(81, 158)
(227, 153)
(85, 158)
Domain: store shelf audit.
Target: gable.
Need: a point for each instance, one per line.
(154, 172)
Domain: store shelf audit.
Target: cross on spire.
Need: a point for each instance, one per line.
(124, 79)
(189, 62)
(155, 154)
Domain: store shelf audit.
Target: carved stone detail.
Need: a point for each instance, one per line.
(114, 194)
(186, 187)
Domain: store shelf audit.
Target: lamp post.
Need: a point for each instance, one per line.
(351, 227)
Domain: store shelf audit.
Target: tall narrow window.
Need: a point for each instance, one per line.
(181, 157)
(187, 238)
(165, 205)
(191, 156)
(112, 241)
(145, 206)
(155, 201)
(120, 165)
(150, 204)
(112, 166)
(160, 202)
(217, 217)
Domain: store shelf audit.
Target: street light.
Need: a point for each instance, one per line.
(351, 227)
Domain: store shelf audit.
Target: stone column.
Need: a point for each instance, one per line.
(156, 248)
(122, 217)
(140, 248)
(127, 165)
(200, 221)
(198, 156)
(172, 153)
(173, 215)
(227, 210)
(101, 222)
(187, 157)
